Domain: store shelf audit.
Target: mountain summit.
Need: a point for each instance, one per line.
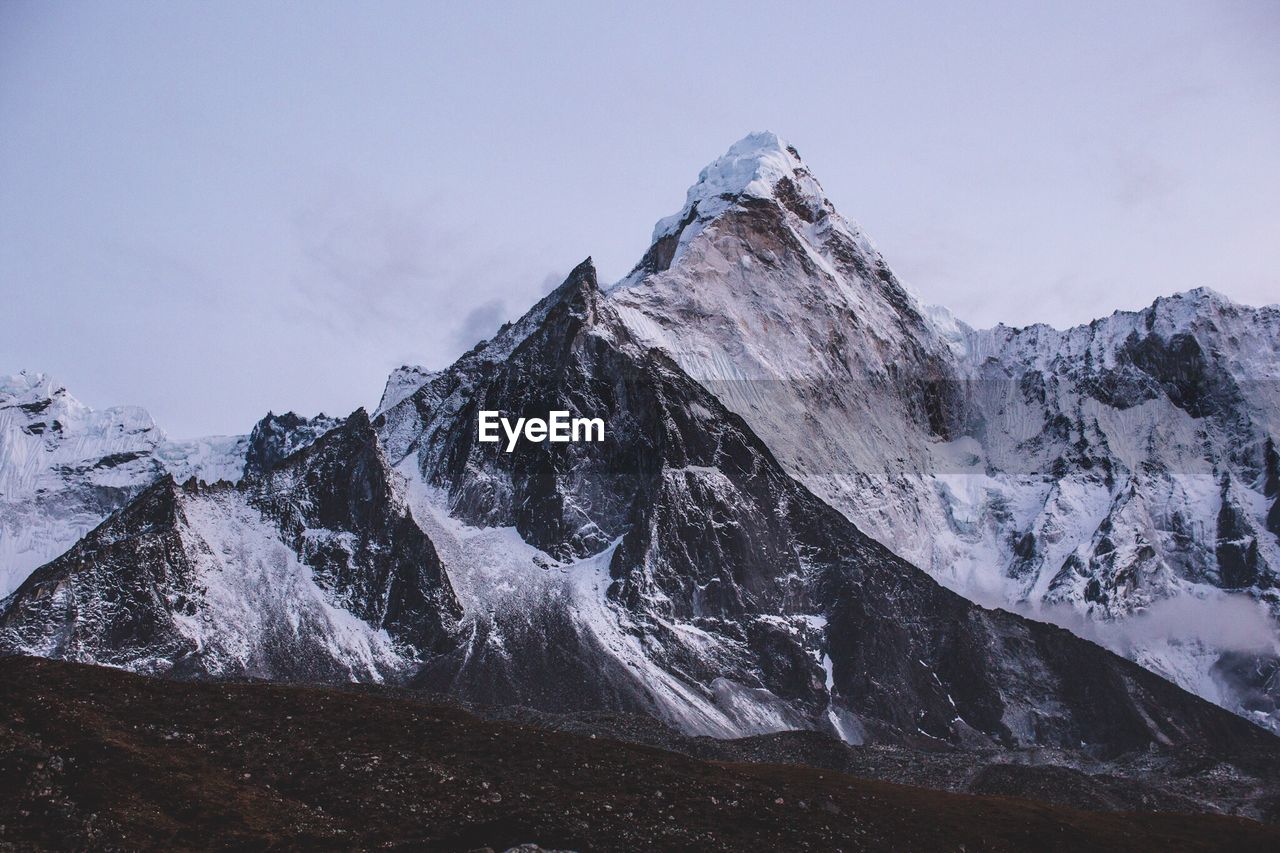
(760, 166)
(786, 312)
(1086, 475)
(758, 174)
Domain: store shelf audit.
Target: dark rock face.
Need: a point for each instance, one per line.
(112, 594)
(1255, 676)
(276, 437)
(379, 565)
(1271, 487)
(571, 499)
(1239, 564)
(1150, 366)
(1184, 373)
(545, 660)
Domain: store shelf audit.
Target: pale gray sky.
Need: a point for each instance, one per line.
(215, 209)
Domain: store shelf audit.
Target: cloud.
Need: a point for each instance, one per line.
(480, 322)
(1139, 179)
(1223, 621)
(1226, 621)
(423, 283)
(368, 262)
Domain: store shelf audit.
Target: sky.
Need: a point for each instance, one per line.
(218, 209)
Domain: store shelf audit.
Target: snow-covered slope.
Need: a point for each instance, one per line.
(313, 570)
(402, 382)
(64, 467)
(1158, 421)
(1082, 475)
(785, 310)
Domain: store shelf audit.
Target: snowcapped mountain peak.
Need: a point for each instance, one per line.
(1202, 293)
(38, 395)
(1198, 303)
(760, 165)
(763, 196)
(41, 407)
(402, 382)
(784, 285)
(1189, 302)
(28, 386)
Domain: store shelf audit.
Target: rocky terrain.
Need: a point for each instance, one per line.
(93, 758)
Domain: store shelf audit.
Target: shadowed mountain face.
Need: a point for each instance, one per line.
(336, 504)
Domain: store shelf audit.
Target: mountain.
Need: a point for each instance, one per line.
(673, 569)
(676, 569)
(65, 467)
(1090, 476)
(311, 571)
(788, 429)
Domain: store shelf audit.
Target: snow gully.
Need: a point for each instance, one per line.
(557, 427)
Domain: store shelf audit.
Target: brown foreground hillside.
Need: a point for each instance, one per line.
(101, 759)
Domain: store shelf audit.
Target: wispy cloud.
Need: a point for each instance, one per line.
(417, 277)
(1222, 621)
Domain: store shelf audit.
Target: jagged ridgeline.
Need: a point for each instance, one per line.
(789, 434)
